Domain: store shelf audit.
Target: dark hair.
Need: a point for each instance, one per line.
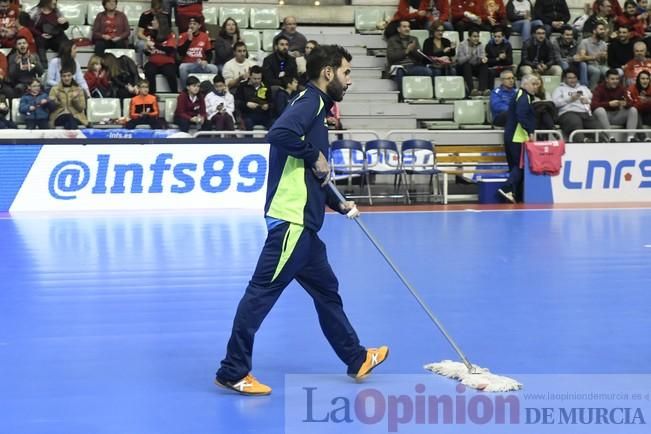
(286, 80)
(19, 38)
(470, 32)
(280, 37)
(323, 56)
(612, 71)
(499, 29)
(65, 51)
(23, 19)
(637, 79)
(625, 26)
(191, 80)
(142, 81)
(255, 69)
(66, 69)
(106, 1)
(222, 31)
(241, 44)
(630, 2)
(570, 70)
(218, 79)
(564, 29)
(537, 27)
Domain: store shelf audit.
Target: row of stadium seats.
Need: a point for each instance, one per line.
(100, 110)
(417, 89)
(78, 13)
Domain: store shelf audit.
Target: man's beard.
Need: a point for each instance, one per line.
(335, 90)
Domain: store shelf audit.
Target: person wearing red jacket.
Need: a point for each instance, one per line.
(639, 96)
(110, 28)
(422, 13)
(97, 78)
(8, 23)
(190, 107)
(610, 107)
(195, 49)
(631, 19)
(466, 15)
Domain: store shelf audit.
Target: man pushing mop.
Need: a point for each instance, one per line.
(297, 193)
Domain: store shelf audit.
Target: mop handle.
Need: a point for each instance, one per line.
(403, 279)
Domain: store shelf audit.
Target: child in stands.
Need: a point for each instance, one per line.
(143, 109)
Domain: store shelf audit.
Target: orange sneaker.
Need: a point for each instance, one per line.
(374, 357)
(246, 386)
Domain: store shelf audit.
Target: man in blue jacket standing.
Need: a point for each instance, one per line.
(520, 126)
(297, 193)
(501, 97)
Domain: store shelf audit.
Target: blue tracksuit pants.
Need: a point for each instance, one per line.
(290, 252)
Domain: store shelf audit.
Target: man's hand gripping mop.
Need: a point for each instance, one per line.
(468, 374)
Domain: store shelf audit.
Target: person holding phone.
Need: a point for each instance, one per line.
(220, 107)
(190, 107)
(573, 102)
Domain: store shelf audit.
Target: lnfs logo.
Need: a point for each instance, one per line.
(612, 174)
(216, 175)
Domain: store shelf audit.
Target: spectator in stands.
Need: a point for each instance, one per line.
(493, 16)
(301, 62)
(97, 78)
(147, 29)
(236, 70)
(594, 52)
(48, 26)
(4, 111)
(639, 96)
(639, 63)
(8, 23)
(501, 96)
(282, 97)
(220, 106)
(620, 50)
(567, 49)
(190, 106)
(279, 64)
(333, 118)
(472, 61)
(228, 36)
(110, 28)
(35, 106)
(6, 87)
(610, 107)
(24, 67)
(66, 58)
(466, 15)
(253, 101)
(573, 103)
(499, 53)
(603, 16)
(519, 13)
(195, 49)
(631, 20)
(24, 32)
(520, 126)
(296, 39)
(421, 14)
(440, 50)
(544, 108)
(122, 80)
(402, 55)
(143, 109)
(553, 13)
(162, 56)
(539, 55)
(68, 102)
(187, 9)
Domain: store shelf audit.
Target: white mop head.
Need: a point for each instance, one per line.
(480, 379)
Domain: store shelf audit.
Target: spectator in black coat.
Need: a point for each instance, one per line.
(553, 13)
(253, 101)
(279, 63)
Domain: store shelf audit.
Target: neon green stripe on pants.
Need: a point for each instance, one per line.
(292, 235)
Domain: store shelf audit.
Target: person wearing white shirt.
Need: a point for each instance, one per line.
(220, 106)
(236, 70)
(573, 103)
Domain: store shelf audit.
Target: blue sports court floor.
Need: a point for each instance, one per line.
(116, 323)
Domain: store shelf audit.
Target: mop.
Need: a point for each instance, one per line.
(467, 373)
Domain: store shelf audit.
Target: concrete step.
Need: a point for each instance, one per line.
(368, 62)
(369, 41)
(375, 122)
(373, 84)
(377, 109)
(371, 97)
(359, 73)
(356, 51)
